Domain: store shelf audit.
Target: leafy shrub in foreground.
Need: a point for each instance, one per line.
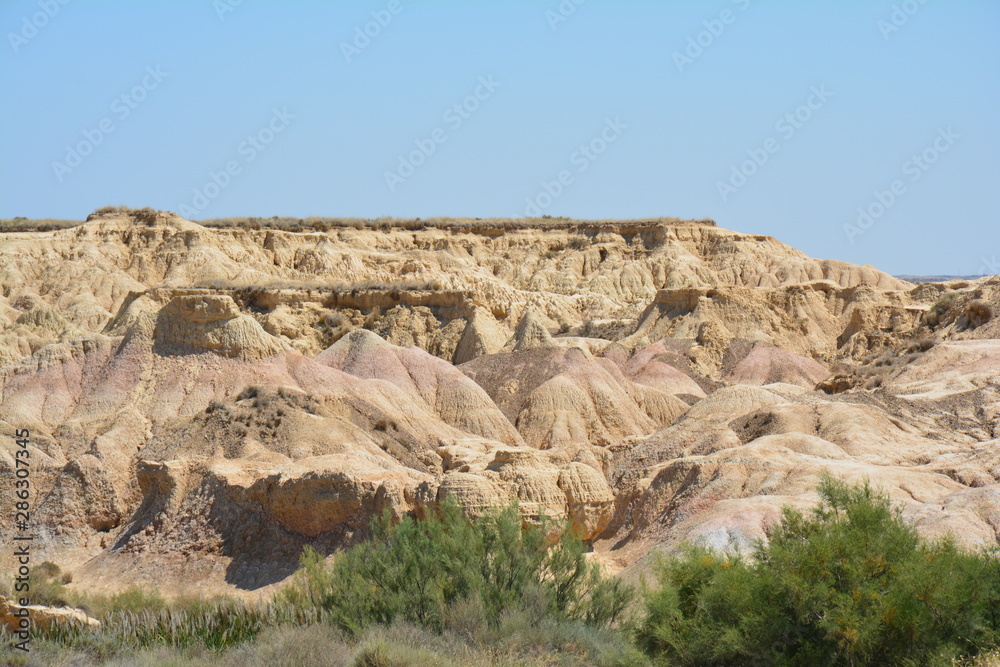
(850, 585)
(417, 571)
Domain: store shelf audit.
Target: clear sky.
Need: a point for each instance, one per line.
(780, 118)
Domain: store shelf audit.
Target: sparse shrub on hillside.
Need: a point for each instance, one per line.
(886, 359)
(48, 586)
(459, 224)
(248, 291)
(21, 224)
(105, 211)
(851, 584)
(415, 571)
(978, 312)
(940, 307)
(145, 215)
(47, 569)
(579, 242)
(314, 224)
(921, 345)
(336, 324)
(372, 319)
(945, 301)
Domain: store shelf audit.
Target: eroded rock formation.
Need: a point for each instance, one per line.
(203, 402)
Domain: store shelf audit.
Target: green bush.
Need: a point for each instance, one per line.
(47, 583)
(849, 584)
(852, 584)
(417, 571)
(940, 307)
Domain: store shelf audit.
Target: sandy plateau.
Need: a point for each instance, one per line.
(204, 402)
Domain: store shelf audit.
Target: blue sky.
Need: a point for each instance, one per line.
(780, 118)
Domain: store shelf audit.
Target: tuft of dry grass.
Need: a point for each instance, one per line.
(489, 226)
(978, 312)
(498, 225)
(144, 215)
(323, 285)
(921, 345)
(19, 224)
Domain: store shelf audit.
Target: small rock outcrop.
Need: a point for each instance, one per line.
(480, 337)
(530, 334)
(212, 323)
(41, 617)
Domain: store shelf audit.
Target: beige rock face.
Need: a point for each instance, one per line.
(316, 495)
(475, 493)
(952, 368)
(481, 336)
(588, 498)
(212, 323)
(41, 617)
(541, 485)
(203, 403)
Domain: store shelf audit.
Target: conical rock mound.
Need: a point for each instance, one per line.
(456, 399)
(481, 336)
(530, 334)
(767, 364)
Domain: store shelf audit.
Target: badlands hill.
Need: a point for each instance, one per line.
(203, 402)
